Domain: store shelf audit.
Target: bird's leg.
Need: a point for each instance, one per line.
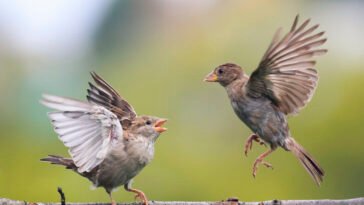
(259, 160)
(112, 200)
(249, 143)
(139, 194)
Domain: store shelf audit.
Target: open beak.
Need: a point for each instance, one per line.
(158, 126)
(211, 77)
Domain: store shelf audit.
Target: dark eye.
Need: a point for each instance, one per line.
(220, 71)
(148, 122)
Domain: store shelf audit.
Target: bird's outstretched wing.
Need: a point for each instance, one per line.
(89, 131)
(104, 95)
(286, 73)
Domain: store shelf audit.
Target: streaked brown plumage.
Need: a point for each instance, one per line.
(283, 83)
(108, 142)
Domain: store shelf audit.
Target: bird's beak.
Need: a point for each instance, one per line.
(158, 125)
(211, 77)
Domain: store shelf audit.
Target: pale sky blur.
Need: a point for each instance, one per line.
(50, 28)
(59, 29)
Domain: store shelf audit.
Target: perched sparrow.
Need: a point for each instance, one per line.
(283, 83)
(109, 144)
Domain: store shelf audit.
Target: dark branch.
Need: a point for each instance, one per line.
(63, 198)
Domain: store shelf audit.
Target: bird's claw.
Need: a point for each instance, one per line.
(268, 165)
(140, 196)
(249, 143)
(256, 164)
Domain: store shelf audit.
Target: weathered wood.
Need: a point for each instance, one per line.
(356, 201)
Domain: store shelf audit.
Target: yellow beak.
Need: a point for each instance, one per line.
(211, 77)
(158, 126)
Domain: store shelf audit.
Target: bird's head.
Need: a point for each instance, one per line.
(148, 126)
(225, 74)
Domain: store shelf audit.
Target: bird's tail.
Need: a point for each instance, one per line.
(311, 166)
(54, 159)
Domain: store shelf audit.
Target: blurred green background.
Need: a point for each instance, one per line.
(156, 53)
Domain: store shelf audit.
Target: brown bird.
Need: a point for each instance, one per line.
(283, 83)
(108, 143)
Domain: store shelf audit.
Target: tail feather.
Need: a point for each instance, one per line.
(311, 166)
(69, 164)
(54, 159)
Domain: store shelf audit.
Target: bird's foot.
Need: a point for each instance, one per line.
(257, 163)
(113, 202)
(140, 196)
(249, 143)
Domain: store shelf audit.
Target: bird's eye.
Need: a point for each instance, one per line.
(220, 71)
(148, 122)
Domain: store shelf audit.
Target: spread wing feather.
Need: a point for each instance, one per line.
(286, 73)
(89, 131)
(103, 94)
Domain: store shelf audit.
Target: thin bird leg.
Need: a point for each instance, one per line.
(112, 200)
(139, 194)
(259, 160)
(249, 143)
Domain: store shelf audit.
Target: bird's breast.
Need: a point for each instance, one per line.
(250, 112)
(141, 151)
(262, 118)
(124, 162)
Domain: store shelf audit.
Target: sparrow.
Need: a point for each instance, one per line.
(283, 83)
(108, 142)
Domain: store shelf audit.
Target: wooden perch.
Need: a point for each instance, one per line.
(356, 201)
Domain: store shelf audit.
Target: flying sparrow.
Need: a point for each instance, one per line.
(283, 83)
(108, 143)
